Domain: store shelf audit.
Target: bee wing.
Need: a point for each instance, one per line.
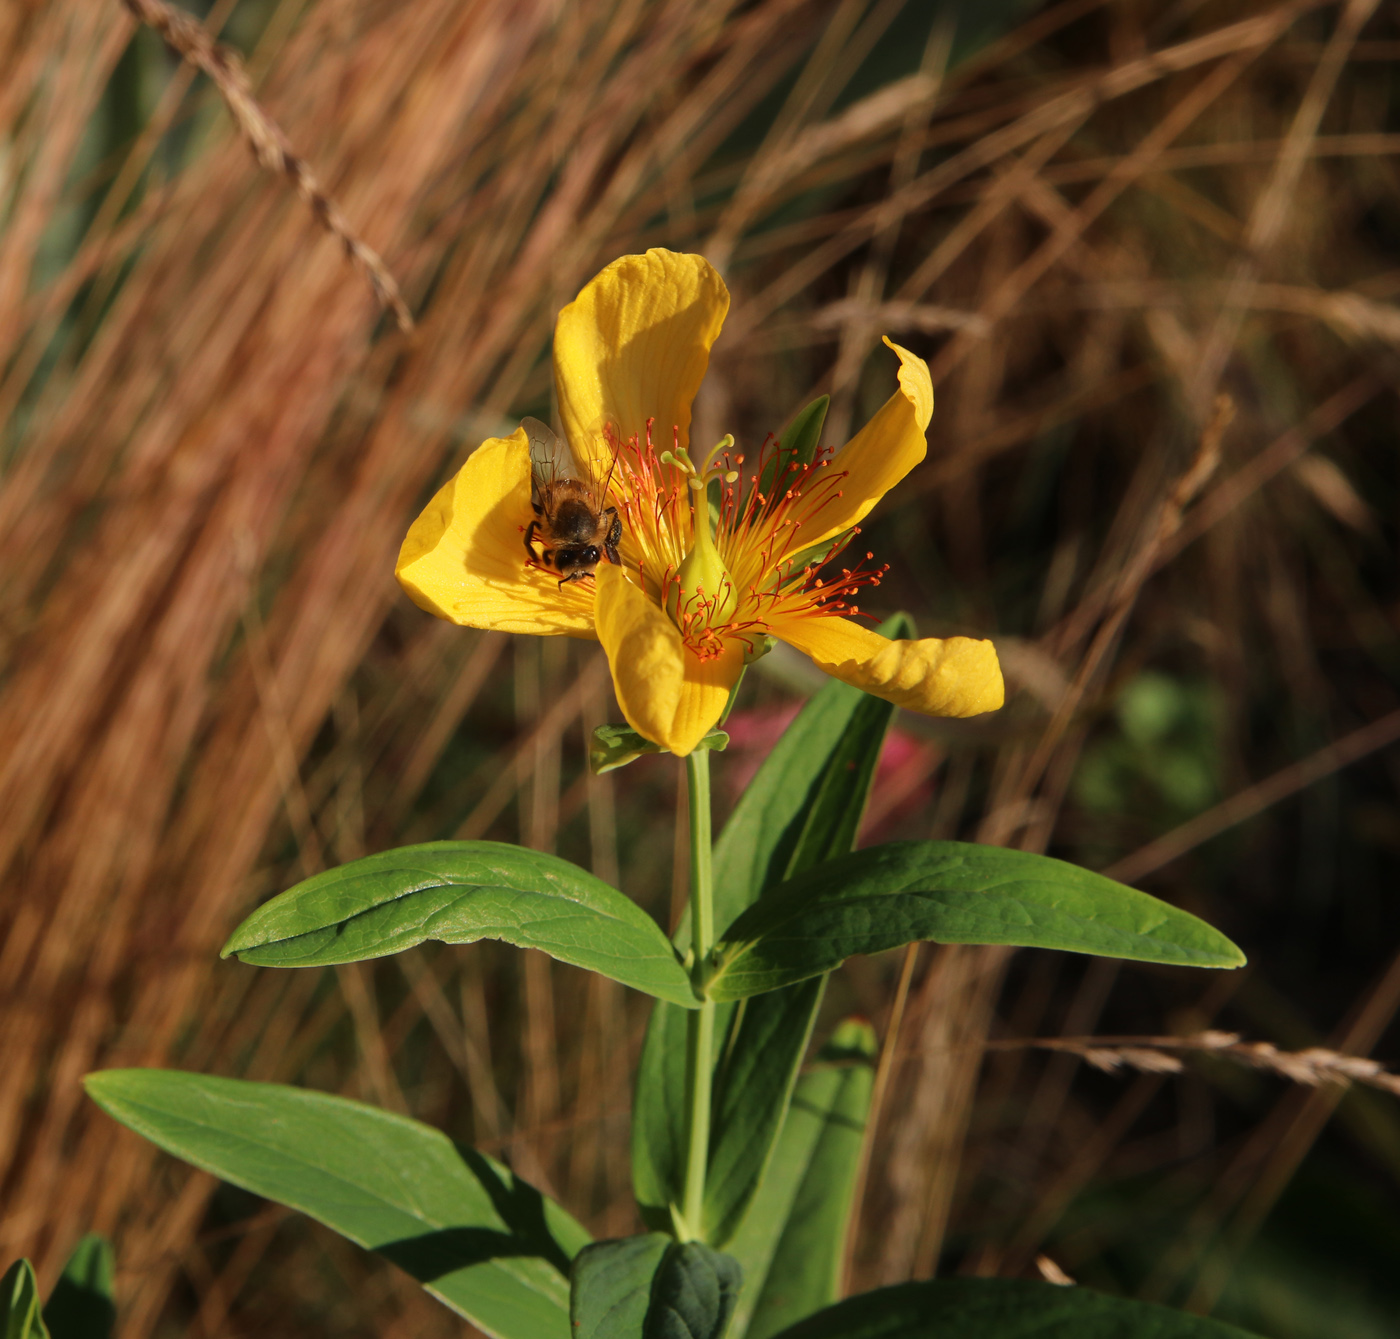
(550, 457)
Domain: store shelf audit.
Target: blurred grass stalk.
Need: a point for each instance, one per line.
(214, 438)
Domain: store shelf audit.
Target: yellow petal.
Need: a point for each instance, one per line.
(464, 558)
(667, 694)
(956, 677)
(635, 345)
(881, 453)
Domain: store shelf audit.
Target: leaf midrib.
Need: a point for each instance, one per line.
(730, 952)
(440, 881)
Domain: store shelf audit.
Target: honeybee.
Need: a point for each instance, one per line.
(573, 529)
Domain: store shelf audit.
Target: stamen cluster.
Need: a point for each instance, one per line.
(758, 518)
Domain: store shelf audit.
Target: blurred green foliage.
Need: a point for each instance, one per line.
(1162, 761)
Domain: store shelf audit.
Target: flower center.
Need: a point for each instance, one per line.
(721, 550)
(702, 596)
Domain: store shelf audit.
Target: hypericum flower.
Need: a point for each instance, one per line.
(716, 555)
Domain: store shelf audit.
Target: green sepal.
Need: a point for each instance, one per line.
(615, 746)
(734, 693)
(755, 650)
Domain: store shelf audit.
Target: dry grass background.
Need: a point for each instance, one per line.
(1093, 219)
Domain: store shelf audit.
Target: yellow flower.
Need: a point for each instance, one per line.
(715, 556)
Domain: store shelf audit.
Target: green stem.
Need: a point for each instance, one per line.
(700, 1023)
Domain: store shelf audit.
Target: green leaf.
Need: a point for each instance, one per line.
(694, 1294)
(614, 746)
(1001, 1309)
(474, 1235)
(610, 1289)
(808, 798)
(798, 444)
(953, 893)
(460, 892)
(792, 1242)
(81, 1305)
(753, 1086)
(659, 1116)
(19, 1303)
(652, 1287)
(804, 805)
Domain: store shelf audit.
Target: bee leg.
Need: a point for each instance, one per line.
(573, 576)
(614, 530)
(613, 556)
(530, 540)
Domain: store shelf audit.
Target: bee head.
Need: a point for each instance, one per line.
(580, 558)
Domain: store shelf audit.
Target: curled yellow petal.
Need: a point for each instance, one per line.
(881, 453)
(667, 693)
(635, 345)
(464, 558)
(959, 676)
